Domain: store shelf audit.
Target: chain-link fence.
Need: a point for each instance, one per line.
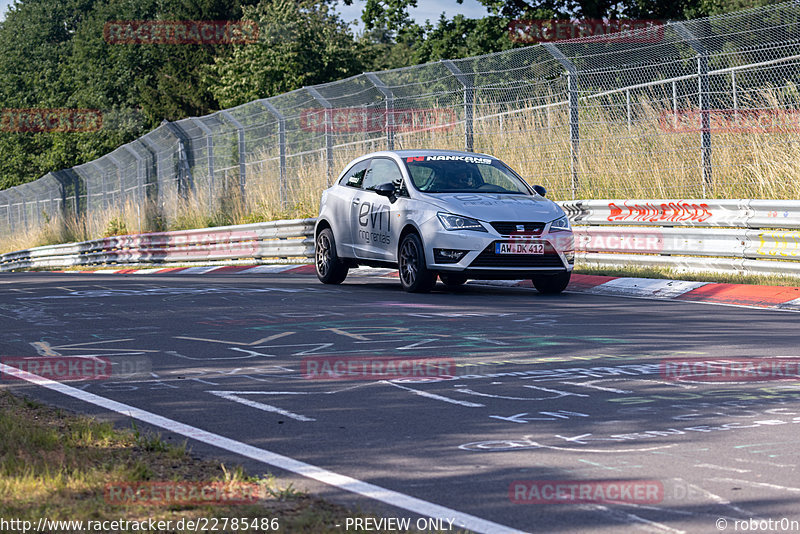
(702, 108)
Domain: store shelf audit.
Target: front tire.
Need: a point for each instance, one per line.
(414, 274)
(330, 268)
(550, 284)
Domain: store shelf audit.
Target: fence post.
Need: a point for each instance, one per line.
(389, 101)
(155, 195)
(573, 97)
(469, 102)
(185, 159)
(281, 146)
(704, 100)
(242, 152)
(735, 90)
(118, 165)
(628, 106)
(68, 180)
(141, 179)
(675, 105)
(23, 210)
(209, 158)
(328, 129)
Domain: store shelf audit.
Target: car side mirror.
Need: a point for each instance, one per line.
(386, 190)
(540, 190)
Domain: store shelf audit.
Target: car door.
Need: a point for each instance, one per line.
(341, 200)
(373, 214)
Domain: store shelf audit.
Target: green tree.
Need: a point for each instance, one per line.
(300, 43)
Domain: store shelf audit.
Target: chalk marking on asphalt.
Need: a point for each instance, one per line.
(658, 509)
(228, 395)
(759, 484)
(468, 391)
(763, 462)
(526, 443)
(718, 499)
(434, 396)
(252, 344)
(353, 485)
(593, 386)
(723, 468)
(631, 519)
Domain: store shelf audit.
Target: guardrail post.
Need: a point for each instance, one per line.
(209, 158)
(185, 159)
(389, 101)
(469, 102)
(242, 153)
(704, 100)
(573, 98)
(328, 129)
(281, 147)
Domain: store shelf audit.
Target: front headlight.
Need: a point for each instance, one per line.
(561, 223)
(457, 222)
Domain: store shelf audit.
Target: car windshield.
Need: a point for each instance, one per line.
(463, 174)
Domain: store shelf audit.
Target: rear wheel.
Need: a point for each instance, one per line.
(453, 280)
(330, 268)
(414, 274)
(551, 283)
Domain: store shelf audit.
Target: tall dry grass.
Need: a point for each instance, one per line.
(643, 158)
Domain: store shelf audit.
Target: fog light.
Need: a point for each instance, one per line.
(447, 255)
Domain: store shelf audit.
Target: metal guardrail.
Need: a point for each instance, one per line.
(734, 236)
(274, 240)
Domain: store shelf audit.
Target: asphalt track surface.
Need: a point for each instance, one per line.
(546, 388)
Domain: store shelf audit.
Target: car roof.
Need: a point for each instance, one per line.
(426, 152)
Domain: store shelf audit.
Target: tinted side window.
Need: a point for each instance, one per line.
(382, 171)
(355, 175)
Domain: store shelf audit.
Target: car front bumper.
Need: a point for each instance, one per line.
(481, 261)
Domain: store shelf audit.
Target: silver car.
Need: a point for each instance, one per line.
(429, 213)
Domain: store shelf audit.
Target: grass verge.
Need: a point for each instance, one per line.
(57, 466)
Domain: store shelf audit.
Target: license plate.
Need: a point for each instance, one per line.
(519, 248)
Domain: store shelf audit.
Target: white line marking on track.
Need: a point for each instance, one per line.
(229, 395)
(717, 498)
(371, 491)
(723, 468)
(756, 484)
(434, 396)
(631, 519)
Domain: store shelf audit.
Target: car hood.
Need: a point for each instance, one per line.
(496, 207)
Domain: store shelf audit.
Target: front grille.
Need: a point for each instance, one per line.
(510, 227)
(488, 258)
